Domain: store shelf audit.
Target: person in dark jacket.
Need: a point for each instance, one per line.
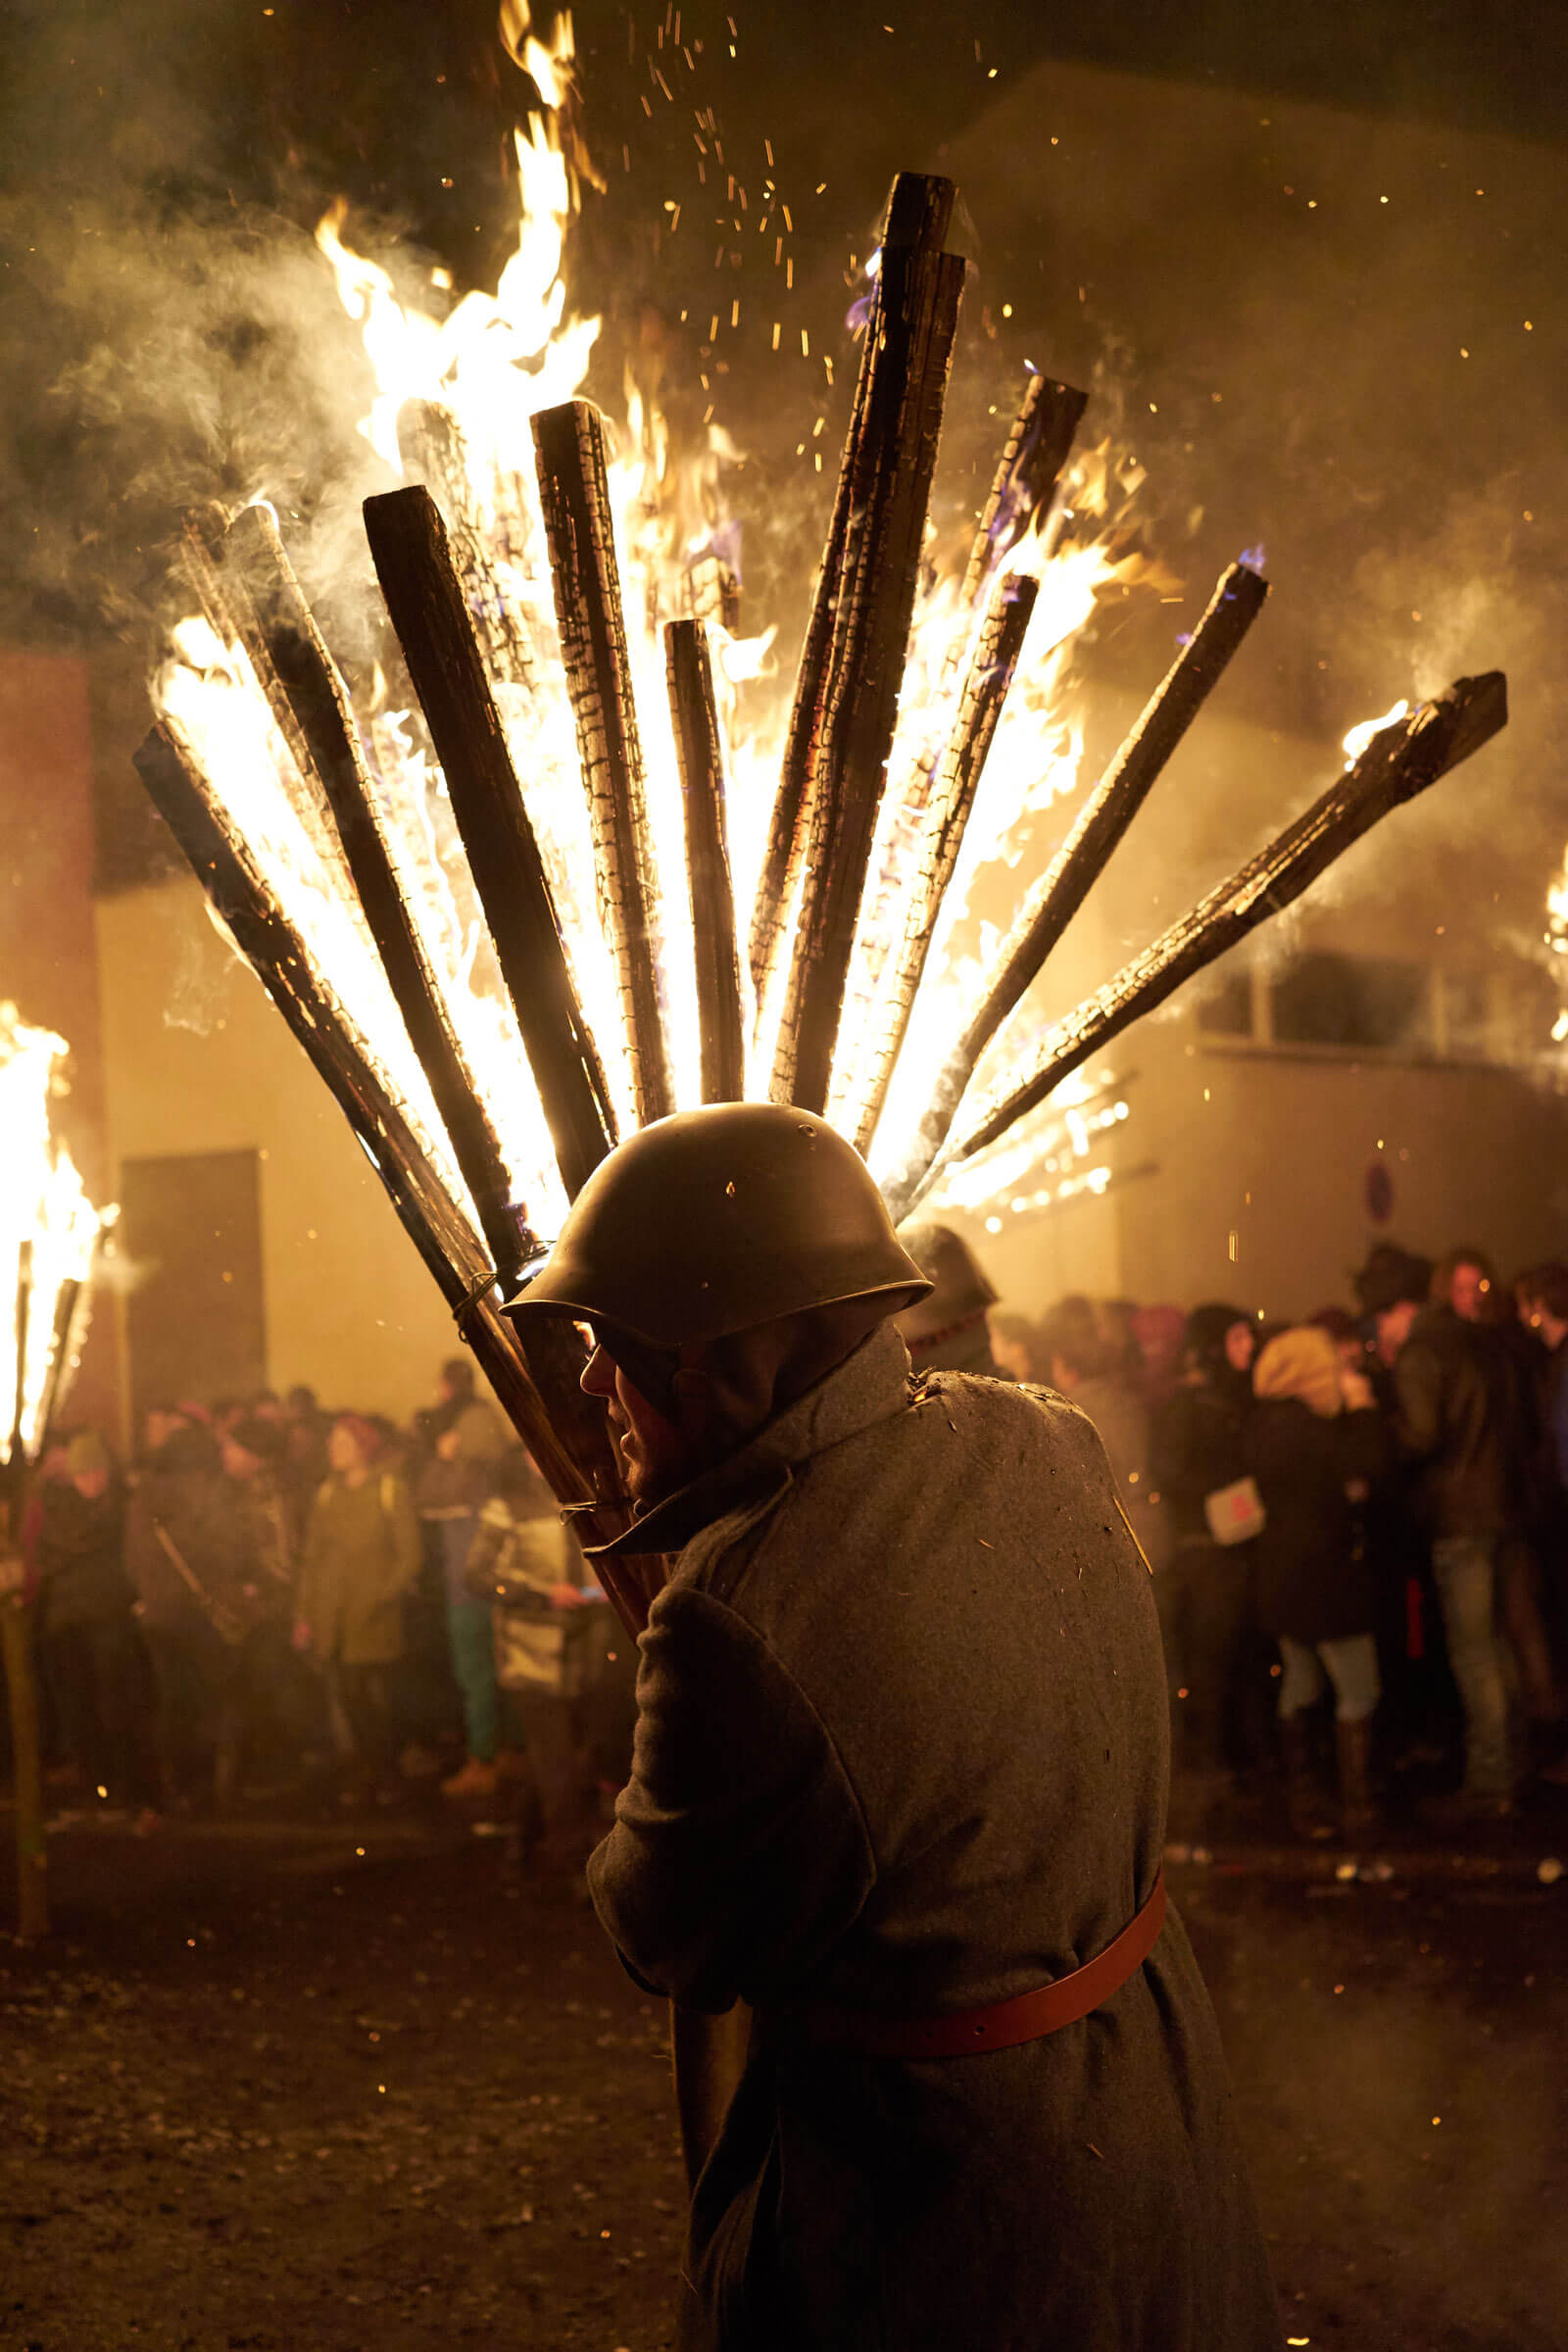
(186, 1554)
(1198, 1450)
(93, 1663)
(279, 1711)
(1513, 1347)
(1317, 1447)
(900, 1772)
(361, 1557)
(1544, 1307)
(1451, 1424)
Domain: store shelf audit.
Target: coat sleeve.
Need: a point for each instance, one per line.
(739, 1854)
(1367, 1448)
(1418, 1400)
(403, 1530)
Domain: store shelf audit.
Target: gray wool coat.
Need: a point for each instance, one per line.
(902, 1746)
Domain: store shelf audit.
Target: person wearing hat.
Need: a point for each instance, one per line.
(948, 1328)
(899, 1784)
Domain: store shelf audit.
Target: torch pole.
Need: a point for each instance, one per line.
(1404, 759)
(16, 1639)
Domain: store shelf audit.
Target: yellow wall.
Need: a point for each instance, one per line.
(196, 1059)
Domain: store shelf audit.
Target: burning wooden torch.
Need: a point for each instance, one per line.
(491, 1008)
(49, 1239)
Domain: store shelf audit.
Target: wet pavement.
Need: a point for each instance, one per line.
(353, 2082)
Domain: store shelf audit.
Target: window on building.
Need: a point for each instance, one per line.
(1465, 1015)
(1364, 1003)
(1227, 1010)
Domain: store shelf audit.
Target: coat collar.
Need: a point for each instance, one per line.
(871, 1384)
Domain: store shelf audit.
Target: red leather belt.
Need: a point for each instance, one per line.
(1003, 2024)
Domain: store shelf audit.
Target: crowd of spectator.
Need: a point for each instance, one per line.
(269, 1597)
(1357, 1524)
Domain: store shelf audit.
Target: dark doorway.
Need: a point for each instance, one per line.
(196, 1323)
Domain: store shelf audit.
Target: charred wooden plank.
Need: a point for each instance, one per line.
(23, 1319)
(919, 210)
(990, 673)
(1037, 448)
(579, 525)
(233, 619)
(907, 366)
(1402, 760)
(67, 1303)
(1100, 826)
(408, 543)
(280, 959)
(434, 450)
(318, 702)
(701, 758)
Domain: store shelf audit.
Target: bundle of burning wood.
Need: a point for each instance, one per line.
(775, 1017)
(50, 1236)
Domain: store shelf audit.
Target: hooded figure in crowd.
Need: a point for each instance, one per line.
(900, 1784)
(948, 1328)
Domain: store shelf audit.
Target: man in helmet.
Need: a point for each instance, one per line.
(900, 1784)
(948, 1328)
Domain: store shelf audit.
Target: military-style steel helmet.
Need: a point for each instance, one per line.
(717, 1219)
(957, 1290)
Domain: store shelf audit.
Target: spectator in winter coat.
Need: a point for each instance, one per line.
(520, 1568)
(93, 1663)
(1517, 1350)
(460, 1444)
(304, 1463)
(1452, 1426)
(1547, 1316)
(187, 1556)
(362, 1555)
(1088, 1363)
(1198, 1450)
(1317, 1445)
(277, 1716)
